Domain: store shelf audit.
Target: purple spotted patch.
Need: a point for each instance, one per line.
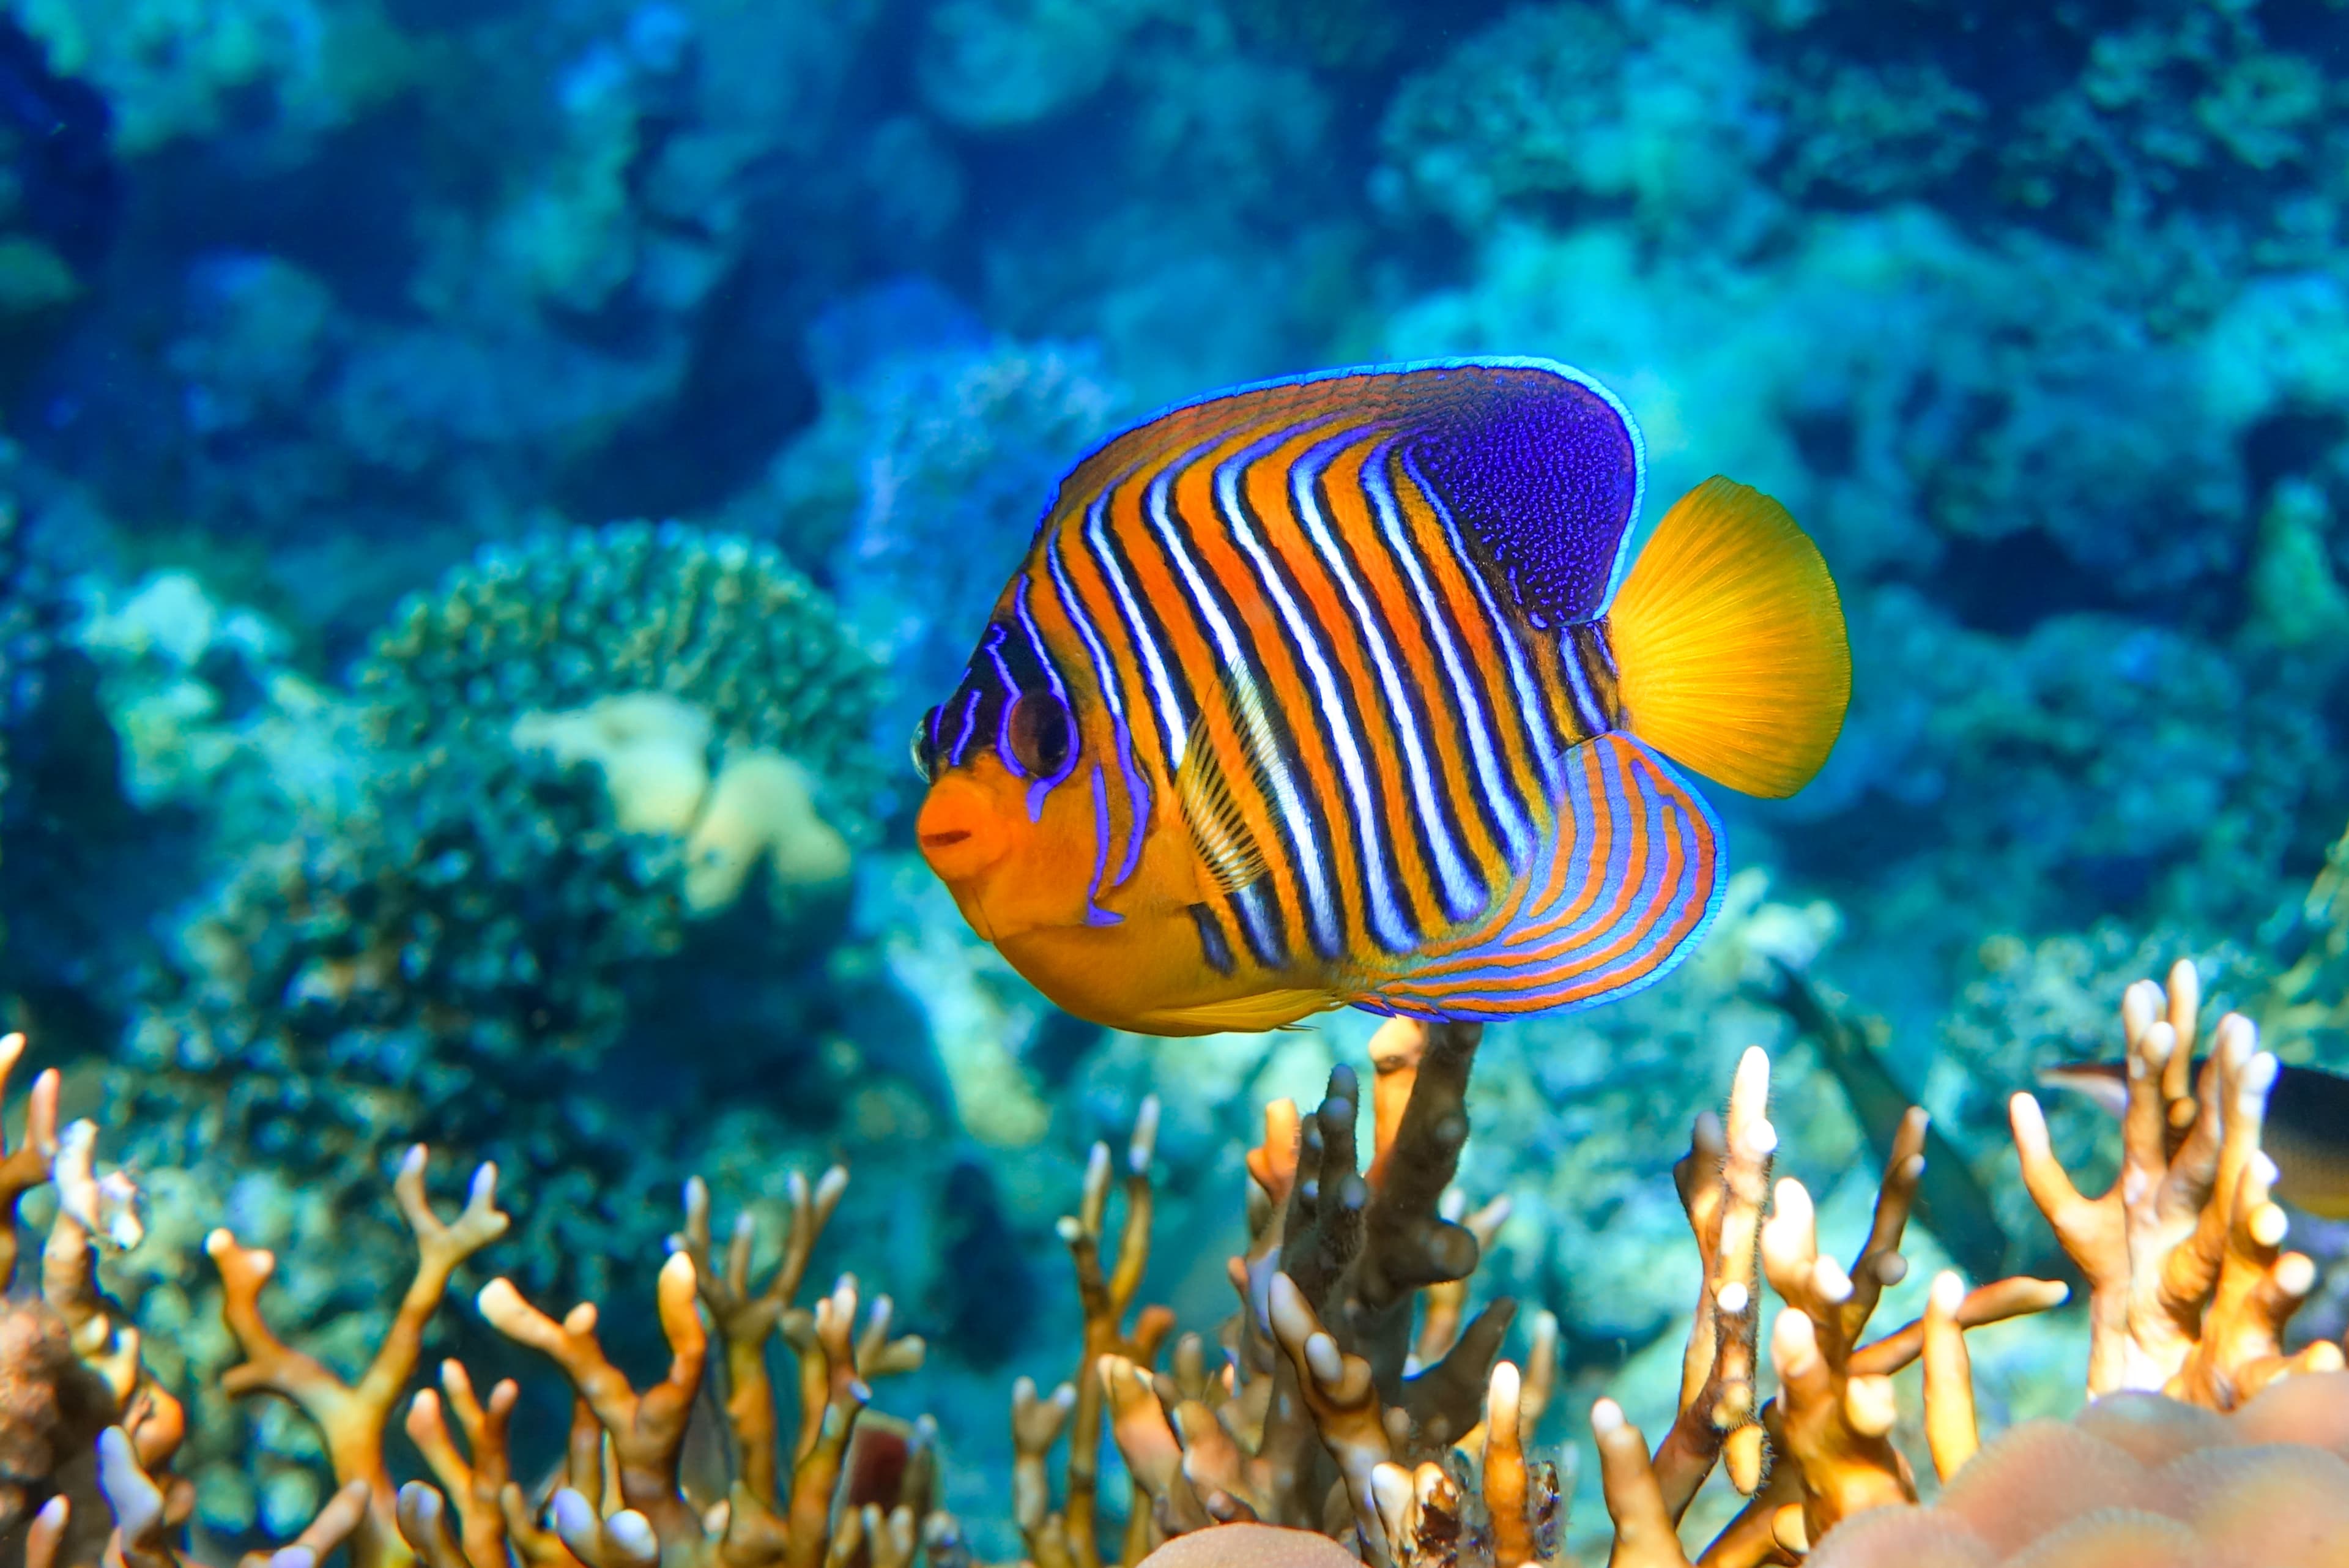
(1540, 472)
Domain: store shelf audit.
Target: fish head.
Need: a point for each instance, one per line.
(1016, 820)
(1054, 842)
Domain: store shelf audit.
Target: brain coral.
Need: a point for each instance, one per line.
(1250, 1546)
(715, 621)
(2138, 1482)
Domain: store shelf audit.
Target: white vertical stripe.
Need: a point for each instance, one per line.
(1293, 809)
(1171, 721)
(1387, 921)
(1516, 829)
(1460, 889)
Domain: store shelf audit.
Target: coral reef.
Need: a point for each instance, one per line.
(451, 944)
(2033, 317)
(853, 1482)
(1317, 1421)
(717, 623)
(1353, 1398)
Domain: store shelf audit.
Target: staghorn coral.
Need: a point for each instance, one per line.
(847, 1486)
(2189, 1292)
(2188, 1283)
(1352, 1400)
(1820, 1450)
(2189, 1286)
(1349, 1354)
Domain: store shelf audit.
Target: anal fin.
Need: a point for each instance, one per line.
(1627, 881)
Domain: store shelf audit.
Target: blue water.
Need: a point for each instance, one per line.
(334, 332)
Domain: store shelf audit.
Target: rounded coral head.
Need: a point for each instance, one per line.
(1251, 1546)
(2137, 1482)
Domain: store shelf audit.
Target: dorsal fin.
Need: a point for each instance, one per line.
(1228, 849)
(1539, 468)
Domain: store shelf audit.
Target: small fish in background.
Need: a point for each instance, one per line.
(1951, 1202)
(2306, 1132)
(1345, 689)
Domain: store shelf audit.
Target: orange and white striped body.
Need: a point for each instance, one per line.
(1309, 695)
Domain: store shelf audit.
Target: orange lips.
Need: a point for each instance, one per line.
(958, 832)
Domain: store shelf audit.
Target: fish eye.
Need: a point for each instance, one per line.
(1041, 734)
(924, 749)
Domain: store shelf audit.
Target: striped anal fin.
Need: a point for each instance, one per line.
(1626, 884)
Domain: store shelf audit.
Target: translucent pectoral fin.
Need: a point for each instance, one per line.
(1217, 788)
(1629, 880)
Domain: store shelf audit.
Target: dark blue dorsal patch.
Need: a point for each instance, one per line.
(1541, 470)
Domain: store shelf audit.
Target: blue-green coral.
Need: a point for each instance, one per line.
(455, 950)
(716, 621)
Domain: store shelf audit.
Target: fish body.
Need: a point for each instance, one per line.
(2305, 1131)
(1344, 690)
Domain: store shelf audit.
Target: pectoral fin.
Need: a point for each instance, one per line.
(1219, 763)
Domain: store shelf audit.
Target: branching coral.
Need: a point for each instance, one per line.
(2189, 1285)
(1323, 1397)
(857, 1487)
(1820, 1450)
(2189, 1294)
(1352, 1407)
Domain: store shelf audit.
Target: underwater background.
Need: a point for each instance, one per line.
(389, 382)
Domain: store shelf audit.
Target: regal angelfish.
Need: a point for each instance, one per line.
(1337, 691)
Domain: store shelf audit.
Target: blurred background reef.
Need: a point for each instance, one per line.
(370, 776)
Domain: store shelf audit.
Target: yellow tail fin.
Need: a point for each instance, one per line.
(1730, 642)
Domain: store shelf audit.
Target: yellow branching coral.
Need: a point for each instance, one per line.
(1821, 1450)
(2189, 1286)
(351, 1418)
(1353, 1407)
(622, 1502)
(856, 1490)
